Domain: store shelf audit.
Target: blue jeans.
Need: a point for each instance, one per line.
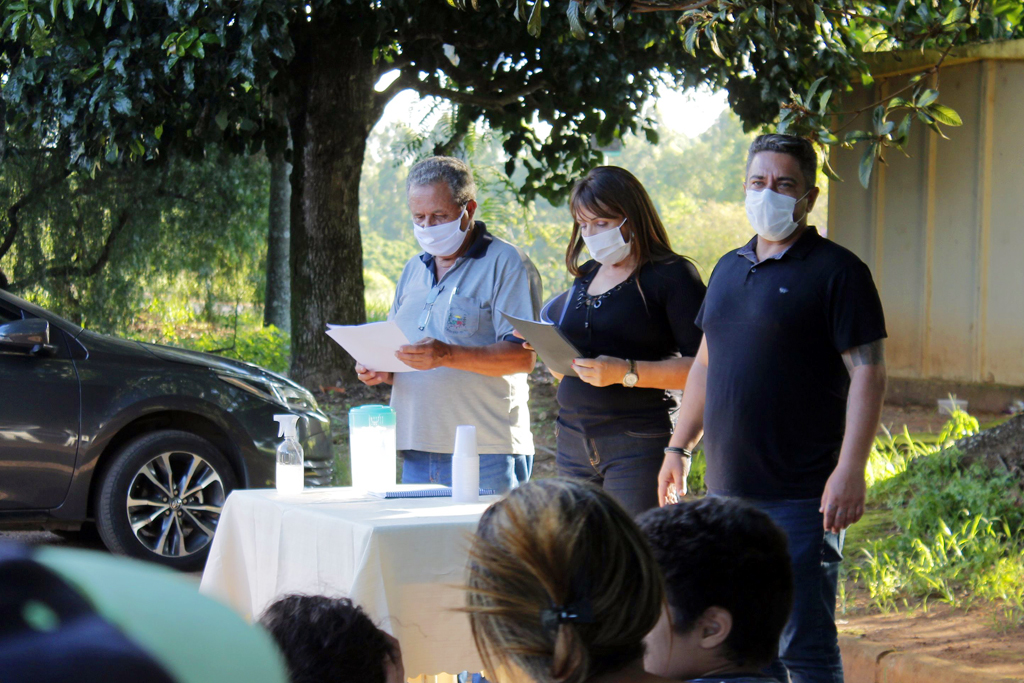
(625, 465)
(498, 472)
(809, 647)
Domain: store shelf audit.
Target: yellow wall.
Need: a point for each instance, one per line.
(943, 230)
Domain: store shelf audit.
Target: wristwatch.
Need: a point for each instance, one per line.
(631, 377)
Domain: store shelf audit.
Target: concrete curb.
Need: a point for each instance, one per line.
(868, 662)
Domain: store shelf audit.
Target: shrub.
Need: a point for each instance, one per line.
(954, 532)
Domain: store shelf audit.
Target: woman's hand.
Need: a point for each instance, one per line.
(371, 377)
(602, 371)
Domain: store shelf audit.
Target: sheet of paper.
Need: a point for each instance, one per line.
(556, 352)
(372, 345)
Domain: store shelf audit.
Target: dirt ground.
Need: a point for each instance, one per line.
(926, 420)
(977, 638)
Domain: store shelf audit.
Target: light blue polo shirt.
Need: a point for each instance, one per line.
(462, 309)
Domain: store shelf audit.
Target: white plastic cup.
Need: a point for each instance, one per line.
(465, 466)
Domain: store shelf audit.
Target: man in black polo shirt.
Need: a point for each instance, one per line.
(787, 387)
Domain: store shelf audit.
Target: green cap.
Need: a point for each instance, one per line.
(371, 416)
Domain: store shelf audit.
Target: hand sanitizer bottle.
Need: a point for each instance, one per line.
(291, 475)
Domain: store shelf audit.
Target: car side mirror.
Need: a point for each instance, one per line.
(31, 335)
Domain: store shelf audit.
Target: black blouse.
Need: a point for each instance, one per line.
(650, 322)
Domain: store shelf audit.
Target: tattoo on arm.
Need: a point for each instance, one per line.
(865, 354)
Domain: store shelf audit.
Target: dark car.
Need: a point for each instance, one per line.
(145, 440)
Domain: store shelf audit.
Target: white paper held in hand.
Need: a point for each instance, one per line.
(465, 466)
(372, 345)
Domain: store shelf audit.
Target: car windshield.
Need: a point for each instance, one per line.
(10, 301)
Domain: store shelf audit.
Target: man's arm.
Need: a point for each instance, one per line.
(843, 500)
(493, 360)
(689, 427)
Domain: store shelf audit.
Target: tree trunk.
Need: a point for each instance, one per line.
(331, 113)
(277, 302)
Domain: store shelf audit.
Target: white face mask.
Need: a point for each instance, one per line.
(607, 247)
(771, 214)
(441, 240)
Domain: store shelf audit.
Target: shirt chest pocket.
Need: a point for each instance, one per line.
(468, 318)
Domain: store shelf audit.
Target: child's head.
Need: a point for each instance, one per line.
(330, 640)
(729, 584)
(562, 586)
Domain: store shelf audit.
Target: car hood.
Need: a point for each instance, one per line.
(212, 361)
(173, 354)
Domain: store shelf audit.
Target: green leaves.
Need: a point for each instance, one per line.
(713, 37)
(956, 15)
(575, 19)
(903, 132)
(520, 11)
(122, 104)
(944, 114)
(764, 54)
(691, 40)
(814, 88)
(867, 163)
(926, 98)
(534, 25)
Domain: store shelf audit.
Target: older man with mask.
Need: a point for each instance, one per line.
(472, 368)
(787, 387)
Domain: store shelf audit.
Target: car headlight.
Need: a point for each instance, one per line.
(291, 397)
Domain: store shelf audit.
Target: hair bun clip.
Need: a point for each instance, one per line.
(578, 612)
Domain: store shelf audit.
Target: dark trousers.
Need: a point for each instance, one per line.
(809, 647)
(625, 465)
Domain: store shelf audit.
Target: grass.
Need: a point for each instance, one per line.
(938, 530)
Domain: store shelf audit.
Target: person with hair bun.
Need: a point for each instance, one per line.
(562, 587)
(630, 313)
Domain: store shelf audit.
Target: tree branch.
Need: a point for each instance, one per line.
(13, 226)
(641, 6)
(855, 15)
(399, 62)
(928, 72)
(381, 99)
(499, 101)
(459, 131)
(78, 269)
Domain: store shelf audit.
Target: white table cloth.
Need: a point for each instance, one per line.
(401, 560)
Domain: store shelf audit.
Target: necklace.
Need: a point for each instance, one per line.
(584, 299)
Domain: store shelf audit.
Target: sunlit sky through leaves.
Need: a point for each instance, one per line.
(690, 113)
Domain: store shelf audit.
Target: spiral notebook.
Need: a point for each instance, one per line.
(417, 491)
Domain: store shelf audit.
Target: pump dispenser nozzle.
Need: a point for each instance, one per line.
(287, 426)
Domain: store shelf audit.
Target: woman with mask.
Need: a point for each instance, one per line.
(630, 313)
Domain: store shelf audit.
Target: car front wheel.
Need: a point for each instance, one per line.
(161, 498)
